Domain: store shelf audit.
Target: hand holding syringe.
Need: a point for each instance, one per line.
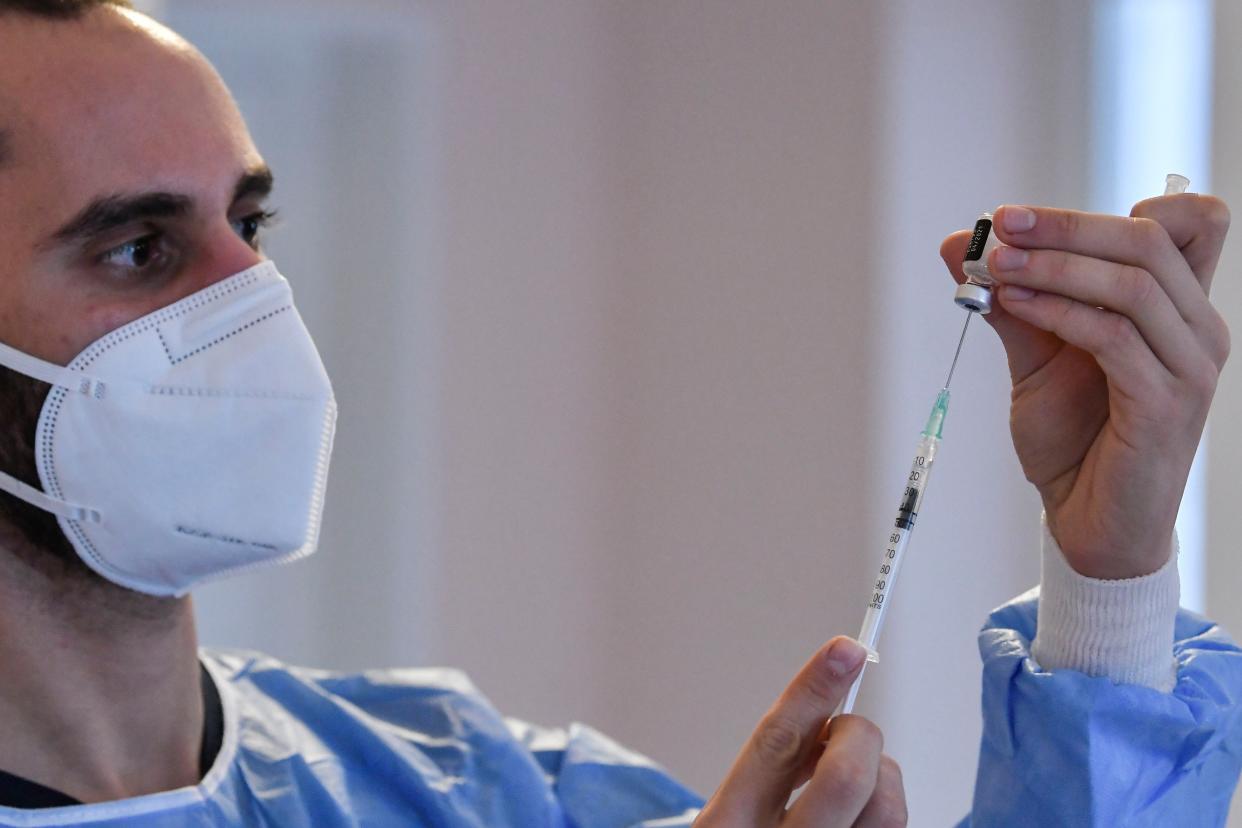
(976, 296)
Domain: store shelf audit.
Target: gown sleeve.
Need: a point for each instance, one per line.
(1062, 747)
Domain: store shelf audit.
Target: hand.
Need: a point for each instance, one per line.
(850, 782)
(1114, 351)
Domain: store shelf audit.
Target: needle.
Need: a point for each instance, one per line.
(958, 353)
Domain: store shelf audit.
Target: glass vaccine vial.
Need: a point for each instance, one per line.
(976, 294)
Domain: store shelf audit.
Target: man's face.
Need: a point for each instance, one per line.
(130, 180)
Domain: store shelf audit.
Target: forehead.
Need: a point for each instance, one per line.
(113, 103)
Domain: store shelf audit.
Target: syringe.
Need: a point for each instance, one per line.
(920, 471)
(907, 511)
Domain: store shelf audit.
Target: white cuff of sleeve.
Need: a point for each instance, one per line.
(1121, 630)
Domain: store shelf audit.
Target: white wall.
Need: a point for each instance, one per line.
(738, 332)
(526, 405)
(1225, 457)
(635, 312)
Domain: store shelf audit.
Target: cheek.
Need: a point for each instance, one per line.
(54, 318)
(101, 319)
(71, 333)
(53, 332)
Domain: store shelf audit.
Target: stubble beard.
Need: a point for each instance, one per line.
(33, 538)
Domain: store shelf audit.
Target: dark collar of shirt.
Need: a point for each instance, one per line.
(16, 792)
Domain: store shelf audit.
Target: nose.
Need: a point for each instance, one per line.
(224, 254)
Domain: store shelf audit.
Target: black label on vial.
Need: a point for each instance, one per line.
(983, 229)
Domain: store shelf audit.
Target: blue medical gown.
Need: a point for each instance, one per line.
(423, 747)
(390, 748)
(1066, 749)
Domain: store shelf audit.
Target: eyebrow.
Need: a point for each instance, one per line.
(108, 213)
(255, 183)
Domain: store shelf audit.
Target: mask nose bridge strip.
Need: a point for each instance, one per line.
(51, 373)
(42, 500)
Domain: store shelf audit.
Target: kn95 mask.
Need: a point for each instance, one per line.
(189, 444)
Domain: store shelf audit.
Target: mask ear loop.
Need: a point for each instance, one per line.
(47, 503)
(51, 373)
(62, 377)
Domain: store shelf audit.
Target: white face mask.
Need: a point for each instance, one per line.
(190, 444)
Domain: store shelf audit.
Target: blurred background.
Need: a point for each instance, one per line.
(634, 312)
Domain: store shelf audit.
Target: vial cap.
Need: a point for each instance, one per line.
(1174, 184)
(976, 298)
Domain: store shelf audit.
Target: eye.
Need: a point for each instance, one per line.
(252, 226)
(134, 255)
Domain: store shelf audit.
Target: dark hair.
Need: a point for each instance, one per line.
(58, 9)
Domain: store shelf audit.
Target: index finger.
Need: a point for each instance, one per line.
(763, 775)
(1138, 242)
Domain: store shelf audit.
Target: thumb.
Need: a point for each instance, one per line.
(763, 775)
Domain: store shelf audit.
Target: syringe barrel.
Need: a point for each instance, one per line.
(895, 542)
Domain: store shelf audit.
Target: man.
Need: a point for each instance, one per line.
(168, 421)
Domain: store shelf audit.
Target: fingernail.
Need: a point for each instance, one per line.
(1016, 293)
(1010, 258)
(1018, 219)
(845, 656)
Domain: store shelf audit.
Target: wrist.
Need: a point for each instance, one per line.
(1110, 560)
